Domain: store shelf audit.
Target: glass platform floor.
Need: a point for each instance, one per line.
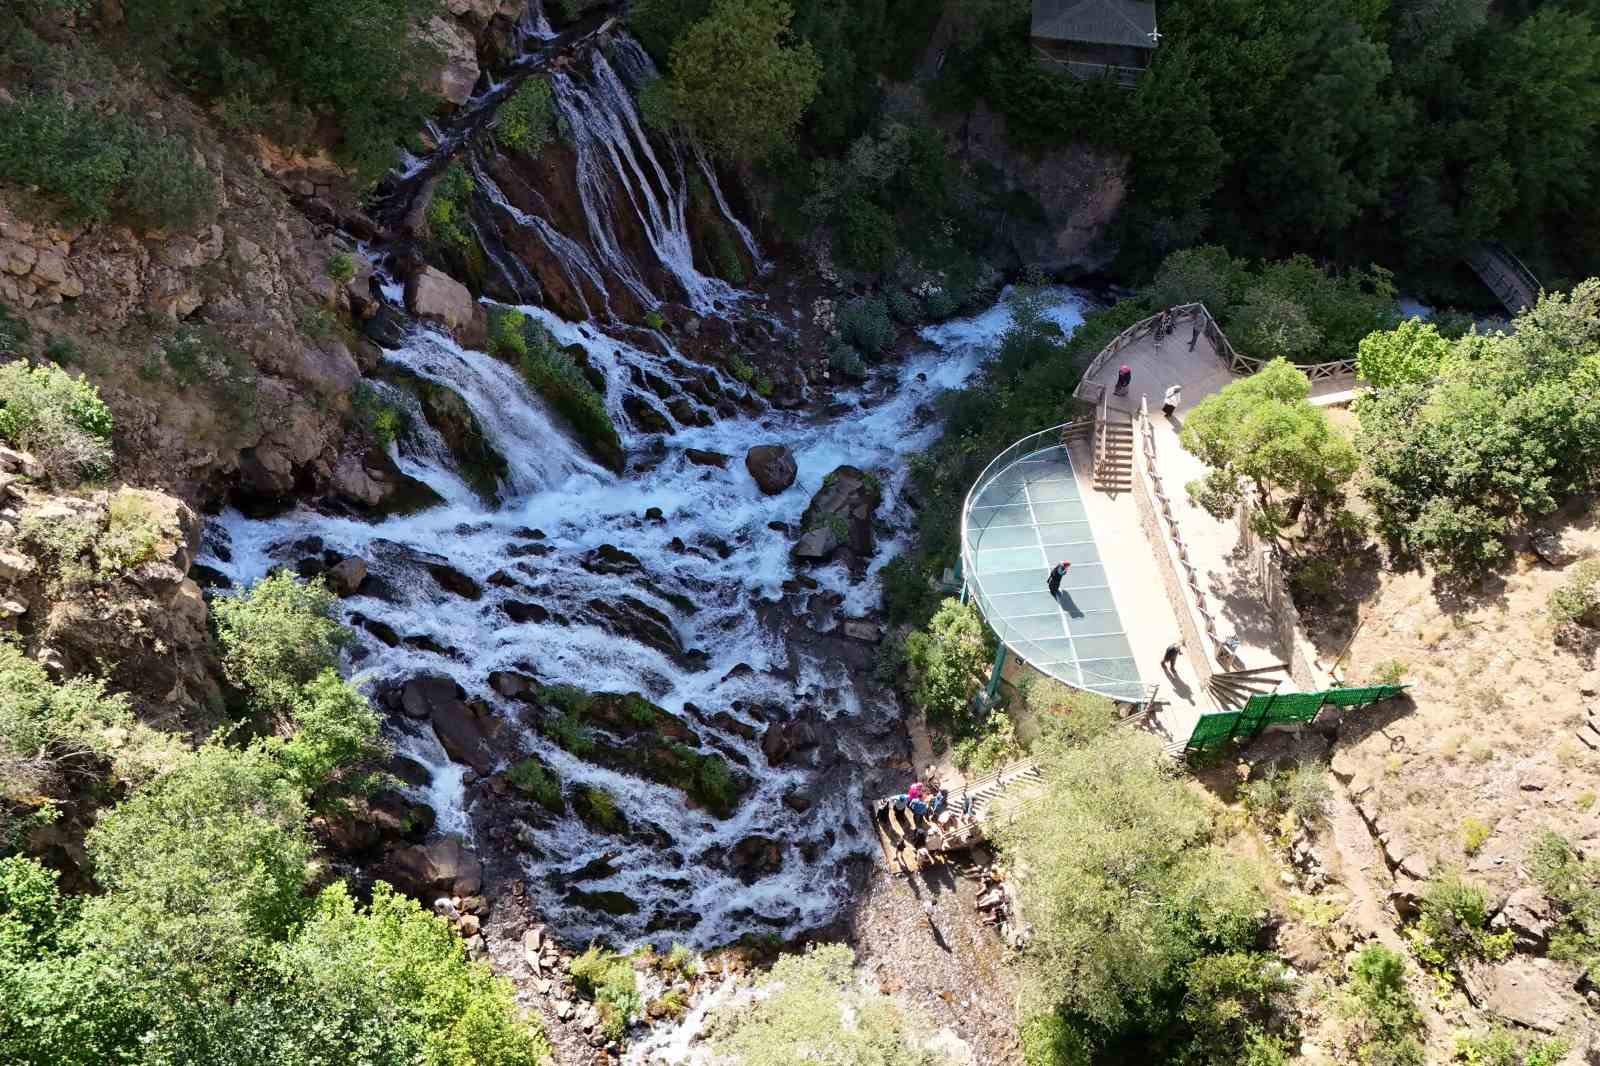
(1023, 516)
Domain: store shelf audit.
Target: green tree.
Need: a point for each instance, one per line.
(335, 729)
(948, 661)
(59, 418)
(278, 635)
(1410, 354)
(814, 1009)
(1260, 435)
(1507, 431)
(1120, 889)
(659, 23)
(738, 80)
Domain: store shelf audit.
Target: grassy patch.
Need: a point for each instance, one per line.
(551, 372)
(608, 979)
(526, 120)
(530, 777)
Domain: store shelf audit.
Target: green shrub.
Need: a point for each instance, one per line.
(1453, 925)
(1070, 716)
(569, 734)
(1390, 672)
(1578, 600)
(50, 730)
(217, 844)
(341, 267)
(1383, 1017)
(682, 960)
(903, 307)
(285, 66)
(202, 356)
(846, 361)
(1474, 831)
(61, 542)
(60, 419)
(132, 534)
(508, 332)
(276, 636)
(95, 165)
(335, 730)
(949, 661)
(526, 121)
(609, 980)
(384, 421)
(553, 374)
(543, 785)
(447, 210)
(741, 369)
(1574, 884)
(1499, 1046)
(14, 332)
(61, 351)
(994, 745)
(1050, 1040)
(865, 324)
(601, 805)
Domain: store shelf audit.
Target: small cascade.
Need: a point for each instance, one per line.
(515, 420)
(576, 262)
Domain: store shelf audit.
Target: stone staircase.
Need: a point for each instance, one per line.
(1113, 470)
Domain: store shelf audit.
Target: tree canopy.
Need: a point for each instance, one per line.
(1260, 436)
(739, 80)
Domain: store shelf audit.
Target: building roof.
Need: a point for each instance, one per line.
(1124, 22)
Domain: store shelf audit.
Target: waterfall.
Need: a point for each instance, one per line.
(614, 153)
(721, 588)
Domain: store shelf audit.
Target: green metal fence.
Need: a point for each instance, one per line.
(1276, 708)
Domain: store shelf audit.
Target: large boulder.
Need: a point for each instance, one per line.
(840, 516)
(1530, 917)
(445, 865)
(458, 72)
(1536, 993)
(469, 733)
(436, 296)
(772, 466)
(426, 694)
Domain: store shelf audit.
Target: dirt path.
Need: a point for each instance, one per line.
(1363, 873)
(952, 968)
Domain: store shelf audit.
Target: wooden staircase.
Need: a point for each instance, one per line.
(1113, 468)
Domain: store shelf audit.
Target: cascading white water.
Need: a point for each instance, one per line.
(613, 152)
(731, 563)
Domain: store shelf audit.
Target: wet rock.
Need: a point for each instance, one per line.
(798, 802)
(381, 630)
(346, 576)
(630, 617)
(775, 744)
(209, 577)
(862, 630)
(436, 296)
(409, 770)
(654, 514)
(672, 920)
(754, 857)
(644, 414)
(772, 466)
(513, 686)
(729, 724)
(476, 460)
(468, 731)
(702, 457)
(610, 559)
(453, 580)
(521, 612)
(426, 694)
(608, 901)
(840, 515)
(445, 864)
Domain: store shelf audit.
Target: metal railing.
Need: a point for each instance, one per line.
(1126, 77)
(1187, 574)
(1236, 361)
(1100, 420)
(1026, 647)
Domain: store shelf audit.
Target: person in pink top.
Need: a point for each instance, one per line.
(917, 790)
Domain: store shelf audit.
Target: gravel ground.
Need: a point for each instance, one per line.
(953, 968)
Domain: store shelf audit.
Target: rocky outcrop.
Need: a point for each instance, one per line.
(458, 52)
(433, 295)
(443, 865)
(772, 466)
(840, 516)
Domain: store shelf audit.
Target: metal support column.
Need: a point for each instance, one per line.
(994, 677)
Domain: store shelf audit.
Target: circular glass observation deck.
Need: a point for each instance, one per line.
(1025, 513)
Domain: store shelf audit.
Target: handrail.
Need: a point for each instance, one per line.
(1100, 420)
(1236, 361)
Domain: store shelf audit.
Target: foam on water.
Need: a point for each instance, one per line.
(730, 563)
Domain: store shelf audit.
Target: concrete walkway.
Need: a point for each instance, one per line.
(1229, 592)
